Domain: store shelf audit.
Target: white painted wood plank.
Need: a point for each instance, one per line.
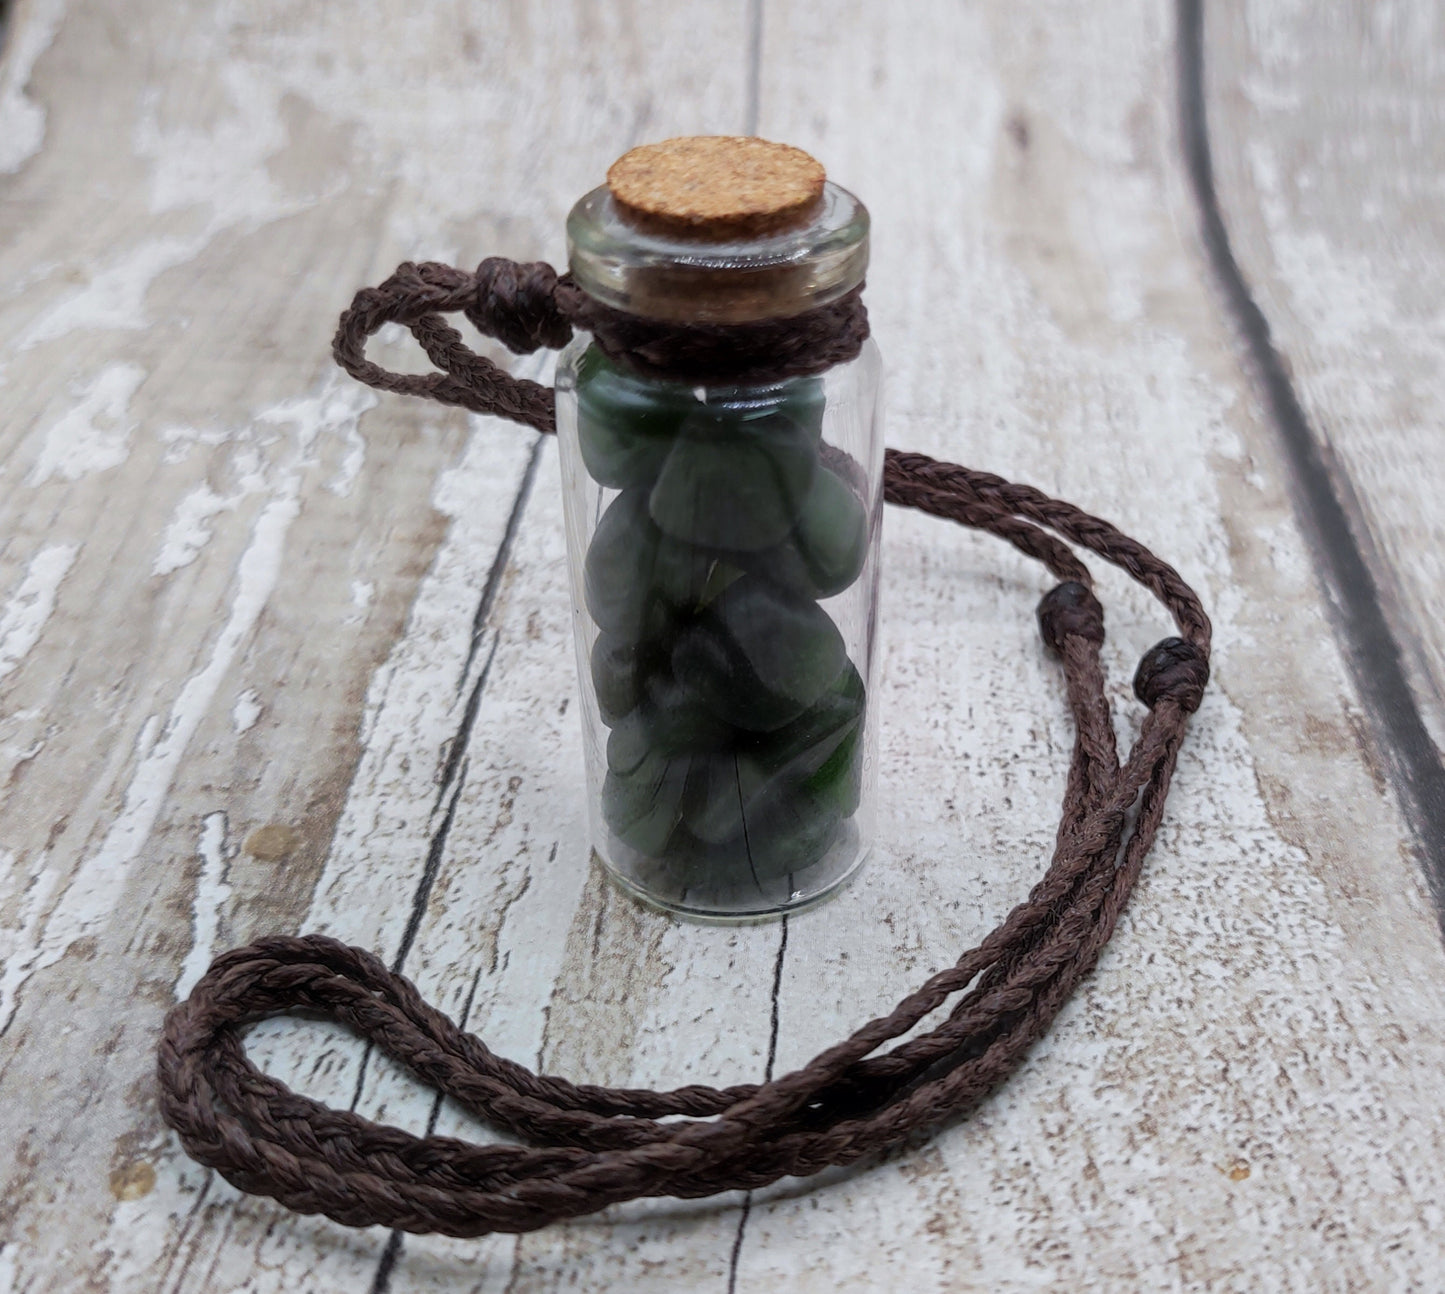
(1234, 1099)
(1279, 884)
(1327, 127)
(245, 207)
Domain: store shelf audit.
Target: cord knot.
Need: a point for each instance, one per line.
(1172, 670)
(1070, 609)
(517, 305)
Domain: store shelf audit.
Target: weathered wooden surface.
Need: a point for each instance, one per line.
(1330, 162)
(238, 593)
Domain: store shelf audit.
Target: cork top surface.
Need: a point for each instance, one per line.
(716, 186)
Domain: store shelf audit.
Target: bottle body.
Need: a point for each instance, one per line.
(723, 550)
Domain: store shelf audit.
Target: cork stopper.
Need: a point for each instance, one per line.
(716, 187)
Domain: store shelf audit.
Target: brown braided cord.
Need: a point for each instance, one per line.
(594, 1146)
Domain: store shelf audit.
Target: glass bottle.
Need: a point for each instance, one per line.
(723, 549)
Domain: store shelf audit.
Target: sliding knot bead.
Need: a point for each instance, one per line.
(516, 304)
(1070, 610)
(1172, 670)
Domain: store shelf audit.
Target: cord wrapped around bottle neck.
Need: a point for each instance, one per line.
(530, 306)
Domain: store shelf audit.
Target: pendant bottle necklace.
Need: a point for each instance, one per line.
(723, 469)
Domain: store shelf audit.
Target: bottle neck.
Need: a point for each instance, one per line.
(671, 278)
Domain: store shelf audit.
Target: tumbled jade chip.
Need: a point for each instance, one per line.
(669, 719)
(712, 804)
(781, 834)
(790, 834)
(735, 478)
(825, 551)
(818, 754)
(618, 670)
(634, 575)
(688, 813)
(820, 744)
(625, 423)
(643, 804)
(759, 656)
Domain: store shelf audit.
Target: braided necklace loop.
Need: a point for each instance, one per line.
(589, 1146)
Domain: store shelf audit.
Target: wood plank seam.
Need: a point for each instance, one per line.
(747, 1205)
(453, 778)
(1354, 586)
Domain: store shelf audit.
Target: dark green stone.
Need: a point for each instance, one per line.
(827, 547)
(712, 805)
(810, 743)
(687, 815)
(789, 832)
(668, 720)
(618, 670)
(643, 804)
(682, 572)
(780, 834)
(736, 476)
(689, 862)
(758, 656)
(625, 423)
(618, 571)
(635, 577)
(839, 779)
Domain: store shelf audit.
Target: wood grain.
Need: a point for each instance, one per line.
(237, 593)
(1327, 129)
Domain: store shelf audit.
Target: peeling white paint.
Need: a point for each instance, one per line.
(18, 740)
(246, 711)
(96, 885)
(114, 297)
(213, 889)
(22, 120)
(412, 700)
(335, 409)
(188, 532)
(221, 165)
(28, 608)
(179, 441)
(362, 592)
(351, 464)
(19, 948)
(94, 435)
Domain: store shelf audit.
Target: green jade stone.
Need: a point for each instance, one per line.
(776, 843)
(789, 835)
(625, 422)
(827, 547)
(817, 758)
(712, 805)
(735, 752)
(649, 755)
(643, 805)
(818, 748)
(727, 807)
(736, 477)
(635, 577)
(669, 720)
(618, 671)
(758, 656)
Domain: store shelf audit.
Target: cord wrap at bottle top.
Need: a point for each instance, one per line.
(590, 1146)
